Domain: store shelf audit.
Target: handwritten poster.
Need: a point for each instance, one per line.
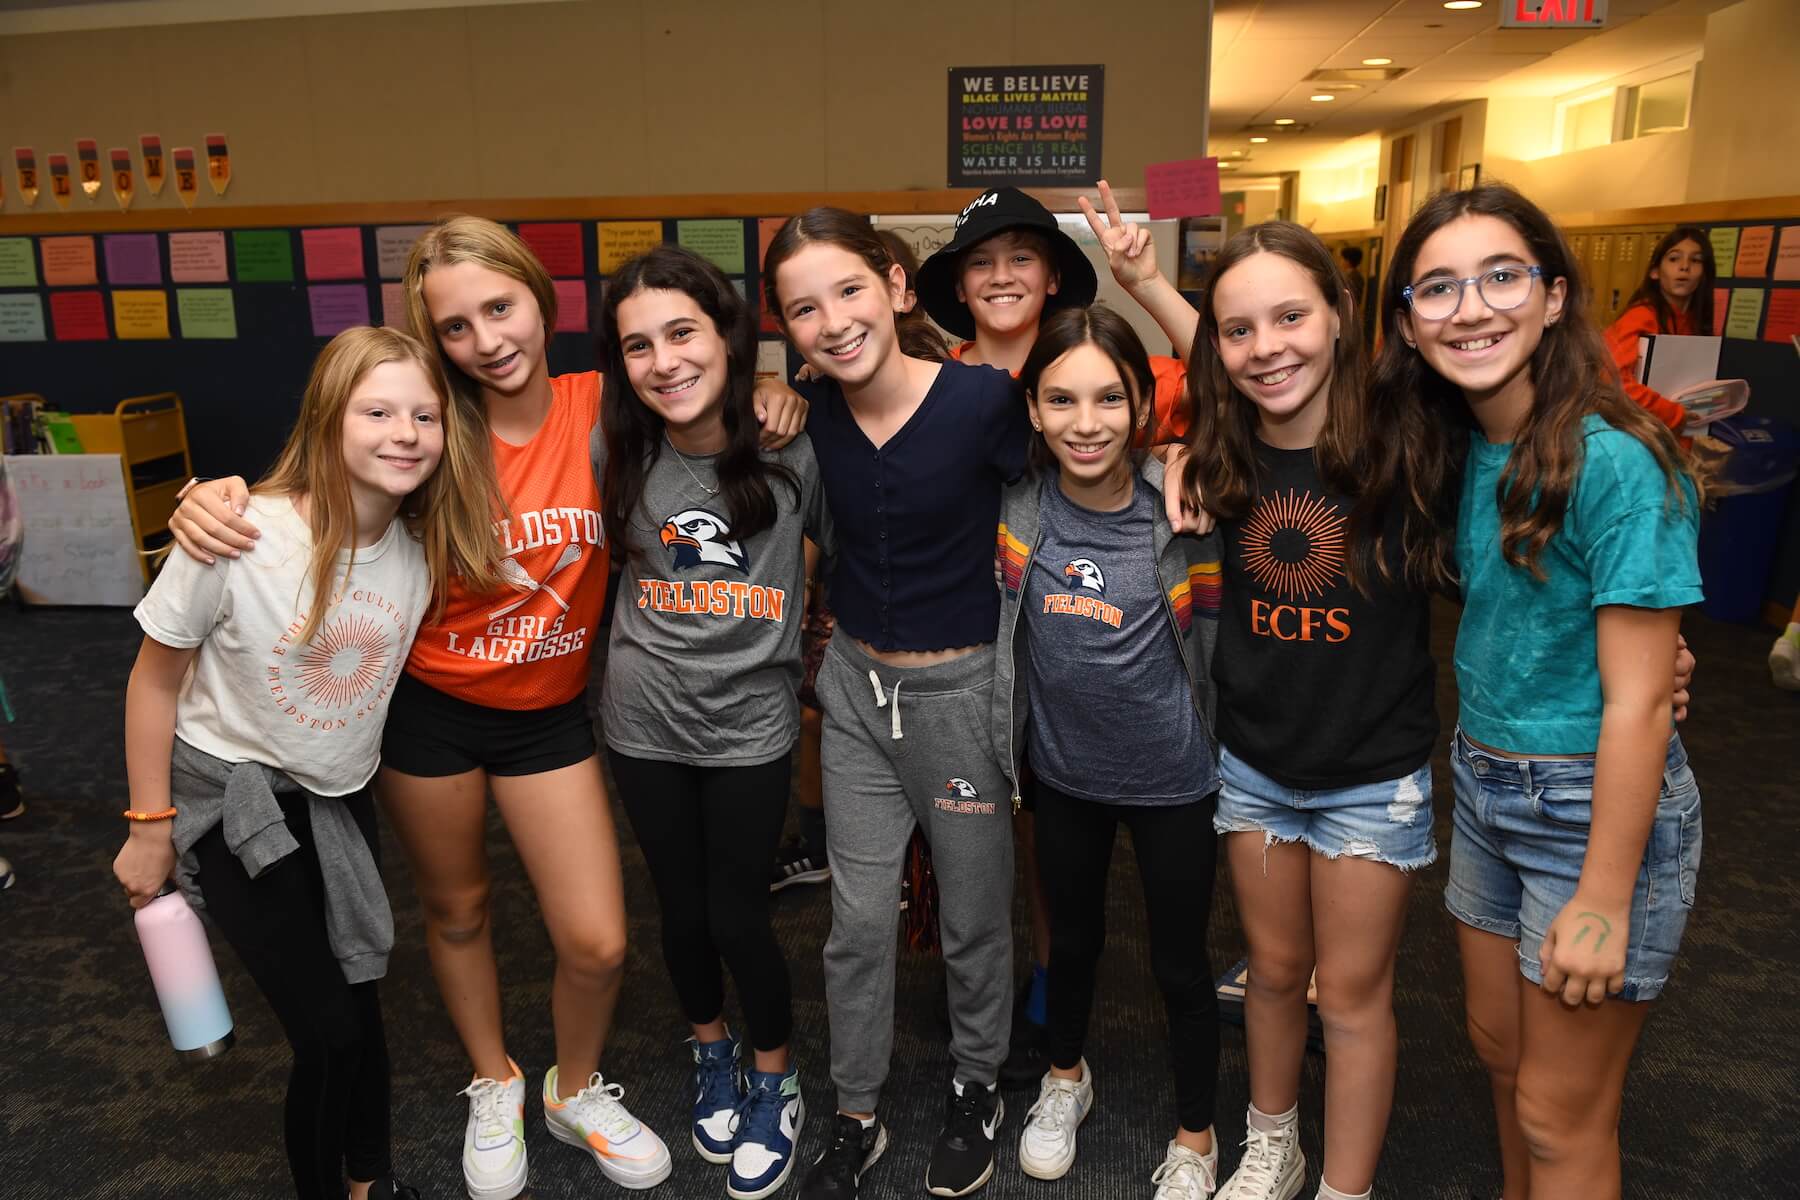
(720, 242)
(21, 317)
(18, 267)
(1189, 188)
(393, 245)
(68, 261)
(78, 316)
(1721, 302)
(1025, 126)
(1754, 244)
(336, 307)
(1787, 258)
(206, 313)
(557, 245)
(621, 241)
(1745, 313)
(571, 306)
(140, 315)
(393, 307)
(263, 255)
(1724, 243)
(133, 258)
(1784, 315)
(197, 257)
(334, 253)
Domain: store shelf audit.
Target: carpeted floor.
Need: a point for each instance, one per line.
(94, 1104)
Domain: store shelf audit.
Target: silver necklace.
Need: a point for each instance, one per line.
(711, 491)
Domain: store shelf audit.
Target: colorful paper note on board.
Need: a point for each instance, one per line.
(78, 316)
(337, 306)
(140, 315)
(766, 229)
(21, 318)
(1721, 302)
(197, 257)
(571, 305)
(335, 253)
(393, 246)
(1724, 243)
(721, 242)
(263, 255)
(133, 258)
(557, 245)
(1754, 244)
(621, 241)
(18, 266)
(1787, 257)
(68, 261)
(206, 313)
(393, 306)
(1784, 315)
(1188, 188)
(1745, 313)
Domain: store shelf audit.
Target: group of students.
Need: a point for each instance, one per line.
(1032, 604)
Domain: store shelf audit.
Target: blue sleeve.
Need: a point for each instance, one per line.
(1642, 542)
(1008, 425)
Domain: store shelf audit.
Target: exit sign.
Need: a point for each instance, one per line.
(1552, 14)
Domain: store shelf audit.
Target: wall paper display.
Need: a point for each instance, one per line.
(621, 241)
(150, 146)
(87, 157)
(25, 161)
(132, 258)
(21, 317)
(1187, 188)
(1754, 245)
(1724, 243)
(197, 257)
(557, 245)
(187, 178)
(69, 261)
(124, 179)
(1745, 313)
(336, 307)
(1025, 126)
(140, 316)
(18, 267)
(393, 307)
(263, 255)
(61, 190)
(334, 252)
(393, 246)
(78, 316)
(206, 313)
(218, 163)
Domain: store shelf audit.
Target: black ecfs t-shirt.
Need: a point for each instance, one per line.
(1320, 686)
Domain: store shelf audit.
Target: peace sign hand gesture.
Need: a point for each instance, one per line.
(1128, 249)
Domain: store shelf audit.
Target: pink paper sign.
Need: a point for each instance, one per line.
(1754, 245)
(393, 306)
(1189, 188)
(557, 245)
(337, 306)
(1787, 258)
(1721, 302)
(1783, 319)
(68, 261)
(335, 253)
(571, 306)
(197, 257)
(132, 258)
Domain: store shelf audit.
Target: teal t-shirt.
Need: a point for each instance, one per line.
(1527, 670)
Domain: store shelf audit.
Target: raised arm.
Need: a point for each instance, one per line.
(1132, 257)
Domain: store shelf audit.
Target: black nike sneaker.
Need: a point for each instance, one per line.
(963, 1159)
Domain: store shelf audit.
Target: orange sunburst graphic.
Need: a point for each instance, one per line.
(344, 660)
(1294, 544)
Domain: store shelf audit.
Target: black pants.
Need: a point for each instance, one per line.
(337, 1118)
(1177, 854)
(709, 836)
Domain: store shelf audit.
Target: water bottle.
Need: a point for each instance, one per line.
(186, 981)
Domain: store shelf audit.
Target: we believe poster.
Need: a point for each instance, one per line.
(1025, 126)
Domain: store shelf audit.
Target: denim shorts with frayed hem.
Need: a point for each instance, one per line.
(1386, 822)
(1521, 835)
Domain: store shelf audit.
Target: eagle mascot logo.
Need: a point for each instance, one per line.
(1087, 574)
(962, 788)
(694, 536)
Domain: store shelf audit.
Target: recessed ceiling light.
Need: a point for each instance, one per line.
(1377, 62)
(1284, 120)
(1259, 140)
(1322, 98)
(1459, 5)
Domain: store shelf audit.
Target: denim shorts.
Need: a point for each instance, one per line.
(1521, 834)
(1387, 822)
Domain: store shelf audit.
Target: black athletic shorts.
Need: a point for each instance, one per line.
(432, 734)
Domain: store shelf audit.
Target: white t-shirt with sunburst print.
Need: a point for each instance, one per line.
(313, 711)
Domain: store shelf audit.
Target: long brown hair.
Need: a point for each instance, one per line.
(1099, 326)
(1352, 461)
(919, 338)
(1572, 375)
(444, 513)
(634, 432)
(1700, 304)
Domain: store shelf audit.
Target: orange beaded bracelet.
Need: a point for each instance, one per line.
(164, 815)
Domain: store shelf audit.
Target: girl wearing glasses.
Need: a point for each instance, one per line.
(1569, 522)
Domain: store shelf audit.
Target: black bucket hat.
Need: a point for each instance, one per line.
(995, 211)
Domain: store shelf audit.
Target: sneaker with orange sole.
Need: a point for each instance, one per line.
(596, 1120)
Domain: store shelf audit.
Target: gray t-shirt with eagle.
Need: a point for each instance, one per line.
(705, 650)
(1112, 718)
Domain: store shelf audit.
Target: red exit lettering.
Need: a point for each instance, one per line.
(1541, 13)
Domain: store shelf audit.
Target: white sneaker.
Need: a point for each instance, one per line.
(494, 1142)
(1047, 1147)
(1784, 661)
(1186, 1174)
(595, 1120)
(1272, 1167)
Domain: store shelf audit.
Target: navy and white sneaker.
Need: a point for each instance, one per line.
(718, 1092)
(768, 1127)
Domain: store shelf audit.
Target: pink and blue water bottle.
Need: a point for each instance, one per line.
(185, 977)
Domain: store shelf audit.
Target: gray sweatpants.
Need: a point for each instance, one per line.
(912, 746)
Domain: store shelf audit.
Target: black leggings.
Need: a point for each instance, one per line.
(709, 835)
(1177, 853)
(337, 1121)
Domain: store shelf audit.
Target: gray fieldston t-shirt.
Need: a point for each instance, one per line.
(705, 650)
(1112, 717)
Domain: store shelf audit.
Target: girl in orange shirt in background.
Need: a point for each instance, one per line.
(1676, 296)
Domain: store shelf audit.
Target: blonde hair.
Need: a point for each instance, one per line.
(451, 518)
(460, 238)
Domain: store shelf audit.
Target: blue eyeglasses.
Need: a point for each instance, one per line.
(1501, 289)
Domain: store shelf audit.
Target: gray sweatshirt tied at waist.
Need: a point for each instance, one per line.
(240, 797)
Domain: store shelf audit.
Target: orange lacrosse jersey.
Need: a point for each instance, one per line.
(1168, 408)
(526, 646)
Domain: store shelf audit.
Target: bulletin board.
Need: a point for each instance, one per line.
(1756, 308)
